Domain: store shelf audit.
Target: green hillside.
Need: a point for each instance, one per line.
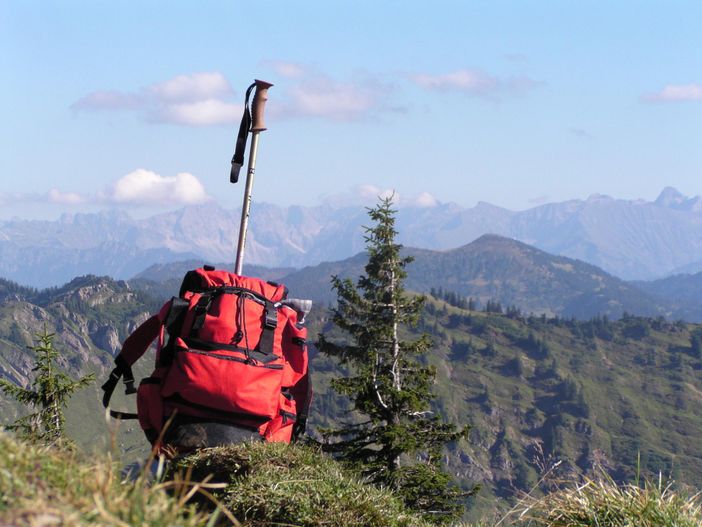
(539, 390)
(536, 390)
(494, 268)
(91, 316)
(682, 291)
(491, 268)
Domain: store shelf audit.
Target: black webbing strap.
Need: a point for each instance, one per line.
(122, 370)
(200, 311)
(270, 322)
(238, 159)
(236, 290)
(303, 413)
(270, 314)
(173, 324)
(232, 290)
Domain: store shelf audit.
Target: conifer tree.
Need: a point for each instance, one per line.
(398, 441)
(49, 394)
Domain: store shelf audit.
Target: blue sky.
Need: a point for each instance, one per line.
(136, 104)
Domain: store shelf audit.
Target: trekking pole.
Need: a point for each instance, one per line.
(256, 127)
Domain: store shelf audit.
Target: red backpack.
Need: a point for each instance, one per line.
(231, 349)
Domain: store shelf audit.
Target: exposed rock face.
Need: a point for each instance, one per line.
(90, 318)
(106, 338)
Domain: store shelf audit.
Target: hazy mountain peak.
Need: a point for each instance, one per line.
(113, 215)
(484, 205)
(497, 244)
(491, 238)
(672, 199)
(599, 197)
(670, 196)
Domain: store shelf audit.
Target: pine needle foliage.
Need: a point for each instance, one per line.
(397, 442)
(48, 394)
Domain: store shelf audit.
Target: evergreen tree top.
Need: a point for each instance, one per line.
(390, 386)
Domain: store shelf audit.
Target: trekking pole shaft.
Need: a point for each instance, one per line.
(246, 206)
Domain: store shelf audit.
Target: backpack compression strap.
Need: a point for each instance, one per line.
(304, 401)
(269, 322)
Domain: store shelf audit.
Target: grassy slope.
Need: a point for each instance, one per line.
(261, 484)
(40, 486)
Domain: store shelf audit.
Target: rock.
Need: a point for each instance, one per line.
(106, 338)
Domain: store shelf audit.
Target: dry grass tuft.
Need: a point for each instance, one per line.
(601, 502)
(49, 486)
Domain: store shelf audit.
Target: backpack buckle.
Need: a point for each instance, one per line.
(271, 318)
(270, 312)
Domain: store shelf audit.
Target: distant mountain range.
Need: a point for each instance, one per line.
(634, 240)
(491, 268)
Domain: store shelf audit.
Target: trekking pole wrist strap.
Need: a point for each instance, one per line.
(240, 148)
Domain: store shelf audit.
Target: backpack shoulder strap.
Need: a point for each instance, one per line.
(173, 324)
(133, 348)
(122, 369)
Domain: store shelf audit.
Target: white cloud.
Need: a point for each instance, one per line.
(465, 80)
(289, 70)
(146, 187)
(473, 82)
(194, 87)
(65, 198)
(676, 93)
(108, 100)
(368, 191)
(360, 195)
(368, 194)
(424, 200)
(311, 93)
(373, 192)
(198, 99)
(138, 188)
(339, 101)
(328, 99)
(205, 99)
(199, 113)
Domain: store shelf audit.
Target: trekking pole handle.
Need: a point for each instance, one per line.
(259, 105)
(257, 108)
